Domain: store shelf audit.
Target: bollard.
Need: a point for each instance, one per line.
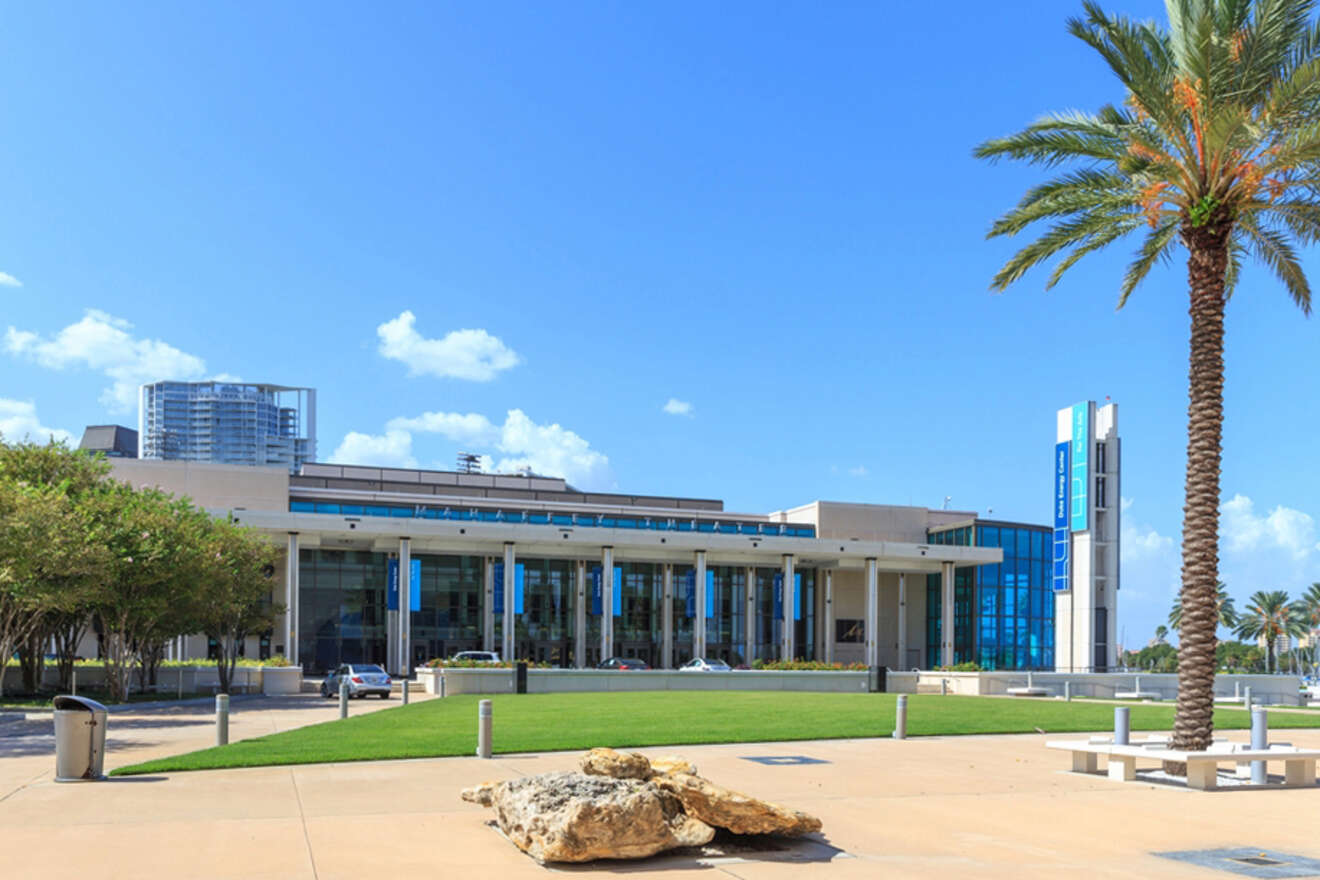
(1030, 685)
(1136, 685)
(1121, 725)
(1246, 698)
(405, 692)
(483, 729)
(343, 698)
(222, 719)
(1067, 691)
(1260, 739)
(1237, 690)
(442, 685)
(179, 670)
(900, 718)
(73, 682)
(944, 687)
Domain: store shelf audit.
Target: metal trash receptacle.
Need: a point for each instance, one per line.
(79, 739)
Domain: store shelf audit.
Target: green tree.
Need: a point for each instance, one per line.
(1214, 148)
(233, 596)
(1161, 633)
(1225, 611)
(1239, 657)
(1267, 617)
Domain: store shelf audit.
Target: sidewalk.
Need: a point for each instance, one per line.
(986, 806)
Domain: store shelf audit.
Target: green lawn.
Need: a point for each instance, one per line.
(553, 722)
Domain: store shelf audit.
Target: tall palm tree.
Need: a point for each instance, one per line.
(1214, 147)
(1226, 613)
(1269, 616)
(1310, 612)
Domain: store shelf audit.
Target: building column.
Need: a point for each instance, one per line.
(789, 632)
(946, 613)
(606, 603)
(667, 617)
(699, 615)
(580, 617)
(510, 560)
(902, 620)
(487, 605)
(872, 614)
(405, 607)
(749, 615)
(291, 588)
(827, 637)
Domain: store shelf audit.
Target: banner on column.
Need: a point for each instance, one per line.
(797, 596)
(618, 590)
(392, 585)
(414, 584)
(779, 595)
(690, 584)
(497, 584)
(710, 593)
(518, 580)
(597, 599)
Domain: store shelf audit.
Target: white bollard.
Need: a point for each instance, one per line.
(343, 698)
(944, 687)
(222, 719)
(405, 692)
(483, 729)
(73, 682)
(1067, 691)
(1122, 725)
(1246, 698)
(1237, 690)
(900, 718)
(1260, 739)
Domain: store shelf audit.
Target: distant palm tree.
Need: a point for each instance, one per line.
(1268, 616)
(1161, 632)
(1227, 614)
(1310, 611)
(1214, 147)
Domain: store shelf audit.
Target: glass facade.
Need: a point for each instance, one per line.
(726, 631)
(229, 423)
(639, 627)
(449, 619)
(341, 615)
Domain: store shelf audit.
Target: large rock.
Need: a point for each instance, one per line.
(671, 764)
(607, 762)
(737, 812)
(572, 817)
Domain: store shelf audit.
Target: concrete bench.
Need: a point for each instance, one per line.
(1202, 767)
(1027, 692)
(1137, 695)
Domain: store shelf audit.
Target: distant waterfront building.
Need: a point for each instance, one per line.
(228, 423)
(115, 441)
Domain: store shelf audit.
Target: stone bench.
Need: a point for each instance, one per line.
(1202, 767)
(1027, 692)
(1138, 695)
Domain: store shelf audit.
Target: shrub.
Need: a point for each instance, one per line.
(805, 665)
(969, 666)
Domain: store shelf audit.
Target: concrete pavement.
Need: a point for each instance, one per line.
(986, 806)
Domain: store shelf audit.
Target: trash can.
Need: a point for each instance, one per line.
(79, 739)
(520, 677)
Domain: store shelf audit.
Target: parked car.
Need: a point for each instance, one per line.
(702, 664)
(624, 664)
(362, 678)
(477, 656)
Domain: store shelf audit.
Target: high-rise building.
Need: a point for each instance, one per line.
(228, 422)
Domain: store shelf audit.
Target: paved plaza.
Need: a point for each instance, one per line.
(983, 806)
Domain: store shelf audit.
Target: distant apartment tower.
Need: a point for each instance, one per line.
(228, 422)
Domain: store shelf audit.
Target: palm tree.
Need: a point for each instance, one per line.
(1215, 148)
(1310, 613)
(1226, 613)
(1161, 633)
(1269, 616)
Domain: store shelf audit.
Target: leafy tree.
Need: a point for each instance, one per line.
(1268, 616)
(233, 599)
(1213, 148)
(1239, 657)
(1224, 609)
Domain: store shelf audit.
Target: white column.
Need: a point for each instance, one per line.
(487, 605)
(789, 633)
(872, 616)
(580, 617)
(291, 569)
(509, 619)
(827, 638)
(606, 603)
(749, 615)
(667, 618)
(405, 606)
(902, 620)
(699, 617)
(946, 613)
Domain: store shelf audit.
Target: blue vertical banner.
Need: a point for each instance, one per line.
(518, 580)
(1081, 462)
(392, 585)
(779, 595)
(797, 596)
(1062, 460)
(415, 585)
(597, 601)
(690, 583)
(710, 593)
(617, 591)
(497, 577)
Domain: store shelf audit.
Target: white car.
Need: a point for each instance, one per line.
(701, 664)
(477, 656)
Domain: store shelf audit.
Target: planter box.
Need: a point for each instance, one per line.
(279, 681)
(556, 681)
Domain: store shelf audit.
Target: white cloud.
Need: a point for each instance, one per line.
(859, 471)
(676, 407)
(103, 343)
(18, 421)
(1283, 528)
(391, 449)
(550, 450)
(462, 354)
(7, 280)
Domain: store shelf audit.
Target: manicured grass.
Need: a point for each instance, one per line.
(552, 722)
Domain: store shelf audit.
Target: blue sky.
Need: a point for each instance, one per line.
(765, 213)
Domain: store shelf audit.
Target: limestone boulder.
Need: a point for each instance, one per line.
(732, 810)
(671, 764)
(607, 762)
(574, 817)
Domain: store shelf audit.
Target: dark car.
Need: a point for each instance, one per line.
(624, 663)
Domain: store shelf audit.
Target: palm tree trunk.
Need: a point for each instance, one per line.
(1193, 723)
